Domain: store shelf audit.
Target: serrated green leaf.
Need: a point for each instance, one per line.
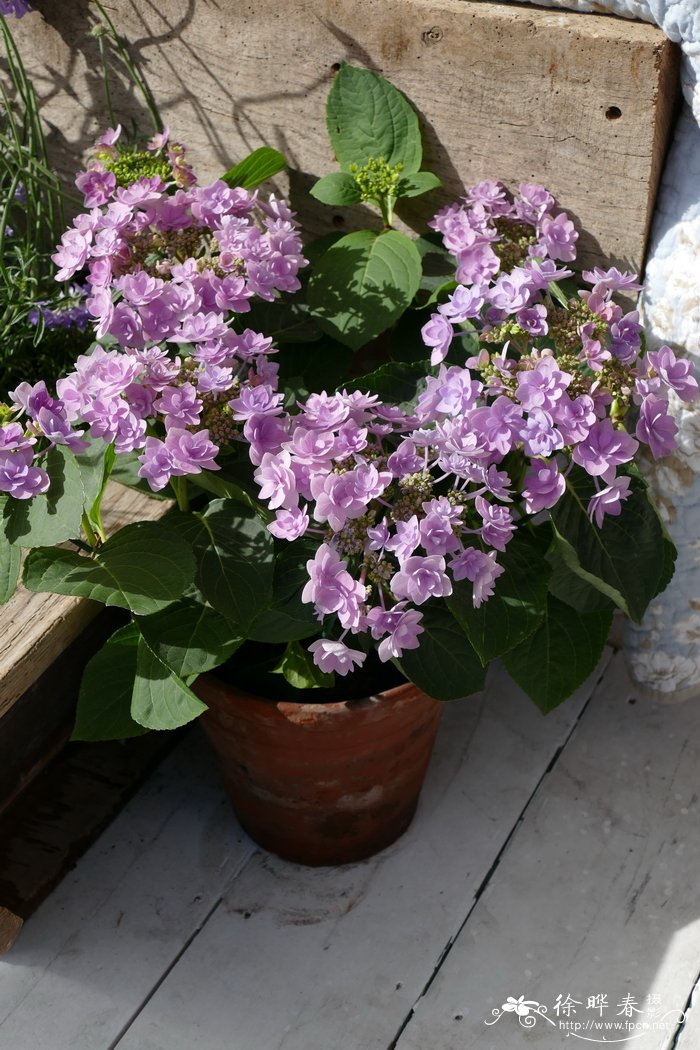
(445, 666)
(558, 657)
(300, 671)
(54, 516)
(420, 182)
(338, 188)
(190, 637)
(261, 165)
(105, 692)
(629, 559)
(517, 606)
(368, 117)
(235, 560)
(143, 567)
(160, 699)
(10, 561)
(363, 283)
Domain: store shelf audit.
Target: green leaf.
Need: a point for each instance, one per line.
(93, 464)
(287, 618)
(629, 559)
(235, 560)
(363, 283)
(323, 364)
(560, 655)
(261, 165)
(284, 321)
(398, 381)
(368, 117)
(415, 185)
(54, 516)
(516, 607)
(190, 637)
(160, 699)
(571, 588)
(10, 559)
(445, 666)
(301, 672)
(105, 692)
(337, 188)
(143, 567)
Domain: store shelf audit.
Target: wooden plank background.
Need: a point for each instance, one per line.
(583, 103)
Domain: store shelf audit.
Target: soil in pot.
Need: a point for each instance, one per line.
(321, 782)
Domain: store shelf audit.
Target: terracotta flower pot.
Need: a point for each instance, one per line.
(323, 783)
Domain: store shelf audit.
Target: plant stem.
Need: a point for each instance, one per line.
(179, 487)
(89, 531)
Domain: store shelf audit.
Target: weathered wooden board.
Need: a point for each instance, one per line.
(583, 103)
(91, 954)
(61, 813)
(36, 628)
(596, 894)
(309, 959)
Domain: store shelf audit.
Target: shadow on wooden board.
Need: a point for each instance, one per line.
(583, 103)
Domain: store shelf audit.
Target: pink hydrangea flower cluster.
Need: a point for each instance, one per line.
(405, 503)
(170, 267)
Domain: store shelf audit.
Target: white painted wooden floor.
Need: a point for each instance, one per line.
(550, 857)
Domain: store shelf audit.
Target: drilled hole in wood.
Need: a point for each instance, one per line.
(338, 220)
(613, 113)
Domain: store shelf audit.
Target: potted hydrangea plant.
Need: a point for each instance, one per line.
(475, 496)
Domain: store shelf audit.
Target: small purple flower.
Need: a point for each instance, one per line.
(539, 435)
(533, 320)
(438, 334)
(498, 526)
(464, 303)
(18, 477)
(256, 401)
(481, 569)
(543, 385)
(609, 501)
(402, 625)
(180, 406)
(675, 373)
(191, 453)
(558, 237)
(277, 481)
(437, 527)
(405, 540)
(612, 280)
(331, 587)
(420, 579)
(544, 486)
(656, 427)
(626, 338)
(96, 185)
(604, 449)
(18, 8)
(289, 524)
(335, 656)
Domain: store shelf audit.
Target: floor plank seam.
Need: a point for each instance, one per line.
(113, 1045)
(489, 874)
(675, 1043)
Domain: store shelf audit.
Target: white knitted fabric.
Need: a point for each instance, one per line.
(664, 653)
